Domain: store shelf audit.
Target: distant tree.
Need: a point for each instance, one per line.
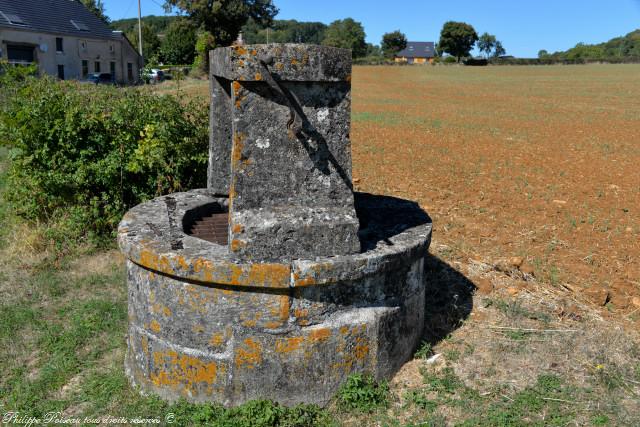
(284, 31)
(486, 44)
(179, 43)
(393, 43)
(457, 39)
(498, 49)
(347, 33)
(159, 24)
(373, 50)
(150, 43)
(97, 8)
(543, 54)
(223, 19)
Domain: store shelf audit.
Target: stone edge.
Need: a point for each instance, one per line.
(145, 236)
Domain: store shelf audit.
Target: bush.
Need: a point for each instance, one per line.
(81, 155)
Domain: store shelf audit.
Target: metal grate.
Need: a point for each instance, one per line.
(213, 228)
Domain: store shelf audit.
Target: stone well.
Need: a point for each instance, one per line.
(277, 281)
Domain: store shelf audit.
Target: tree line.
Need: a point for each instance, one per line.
(625, 47)
(201, 26)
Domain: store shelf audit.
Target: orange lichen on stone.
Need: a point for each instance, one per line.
(182, 263)
(279, 66)
(361, 351)
(144, 342)
(306, 281)
(236, 87)
(321, 334)
(236, 149)
(287, 345)
(285, 306)
(344, 330)
(237, 244)
(237, 228)
(217, 339)
(197, 329)
(272, 325)
(172, 369)
(258, 76)
(250, 356)
(240, 50)
(300, 312)
(154, 326)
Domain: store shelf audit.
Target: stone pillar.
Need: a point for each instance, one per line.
(280, 149)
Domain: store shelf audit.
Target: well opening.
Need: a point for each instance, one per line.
(208, 222)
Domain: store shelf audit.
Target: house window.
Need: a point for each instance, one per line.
(17, 54)
(129, 71)
(85, 69)
(112, 70)
(61, 72)
(59, 45)
(110, 48)
(83, 45)
(96, 67)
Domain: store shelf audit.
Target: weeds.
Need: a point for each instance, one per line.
(363, 393)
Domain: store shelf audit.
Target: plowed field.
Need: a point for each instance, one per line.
(541, 163)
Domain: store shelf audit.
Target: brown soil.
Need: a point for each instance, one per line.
(532, 162)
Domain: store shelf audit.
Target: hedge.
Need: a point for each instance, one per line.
(83, 154)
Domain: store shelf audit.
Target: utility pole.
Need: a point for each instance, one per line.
(140, 32)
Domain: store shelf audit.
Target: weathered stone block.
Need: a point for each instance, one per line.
(287, 152)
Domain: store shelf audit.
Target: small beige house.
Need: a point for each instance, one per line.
(65, 39)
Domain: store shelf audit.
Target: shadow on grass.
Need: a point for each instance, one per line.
(449, 299)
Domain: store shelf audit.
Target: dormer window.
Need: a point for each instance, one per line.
(80, 26)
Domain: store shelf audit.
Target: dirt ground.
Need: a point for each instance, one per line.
(535, 166)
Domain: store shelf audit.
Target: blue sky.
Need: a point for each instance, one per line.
(524, 27)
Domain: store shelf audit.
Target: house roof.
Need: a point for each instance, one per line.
(417, 50)
(67, 17)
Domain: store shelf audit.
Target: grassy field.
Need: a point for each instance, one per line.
(530, 175)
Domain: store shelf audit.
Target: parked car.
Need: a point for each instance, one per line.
(101, 79)
(153, 76)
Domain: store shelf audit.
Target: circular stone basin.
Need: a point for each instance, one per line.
(206, 327)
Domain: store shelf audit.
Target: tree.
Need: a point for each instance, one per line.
(543, 54)
(486, 44)
(393, 43)
(204, 43)
(373, 50)
(179, 43)
(498, 49)
(348, 34)
(223, 19)
(284, 31)
(150, 43)
(457, 39)
(97, 8)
